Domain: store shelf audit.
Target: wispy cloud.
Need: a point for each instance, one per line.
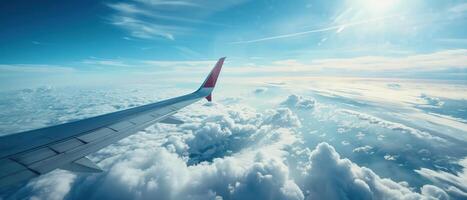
(138, 65)
(170, 3)
(453, 182)
(131, 9)
(193, 63)
(460, 8)
(128, 8)
(35, 42)
(30, 68)
(437, 61)
(354, 66)
(146, 30)
(155, 19)
(144, 23)
(454, 41)
(99, 62)
(337, 28)
(432, 61)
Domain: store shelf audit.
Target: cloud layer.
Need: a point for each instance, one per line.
(229, 150)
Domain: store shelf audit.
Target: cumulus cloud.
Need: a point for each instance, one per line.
(229, 152)
(145, 174)
(435, 192)
(282, 117)
(390, 157)
(364, 149)
(432, 101)
(328, 176)
(155, 162)
(267, 180)
(299, 102)
(360, 135)
(53, 186)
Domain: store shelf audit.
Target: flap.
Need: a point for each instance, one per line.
(82, 165)
(171, 120)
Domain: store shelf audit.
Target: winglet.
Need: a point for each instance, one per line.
(211, 80)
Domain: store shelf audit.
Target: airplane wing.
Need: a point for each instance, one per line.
(30, 154)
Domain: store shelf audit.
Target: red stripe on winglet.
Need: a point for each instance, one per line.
(212, 79)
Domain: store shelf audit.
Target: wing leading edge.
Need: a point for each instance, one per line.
(32, 153)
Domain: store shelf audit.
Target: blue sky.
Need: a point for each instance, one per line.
(108, 36)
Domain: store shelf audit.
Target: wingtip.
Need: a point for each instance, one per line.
(211, 80)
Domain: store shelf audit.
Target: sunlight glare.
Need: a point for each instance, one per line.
(377, 7)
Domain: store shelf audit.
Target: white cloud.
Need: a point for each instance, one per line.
(299, 102)
(128, 8)
(154, 162)
(149, 19)
(54, 186)
(28, 68)
(435, 192)
(170, 3)
(390, 157)
(431, 61)
(188, 63)
(364, 149)
(362, 65)
(282, 117)
(393, 126)
(267, 180)
(360, 135)
(452, 183)
(145, 30)
(432, 101)
(460, 8)
(222, 151)
(327, 176)
(138, 168)
(101, 62)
